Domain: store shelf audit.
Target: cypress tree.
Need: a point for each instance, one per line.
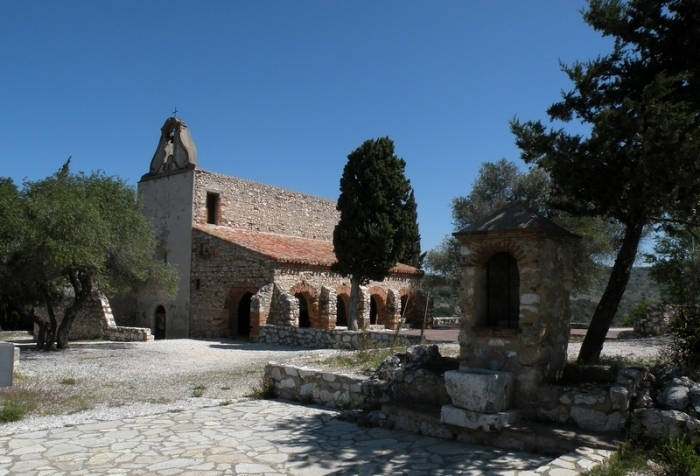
(377, 224)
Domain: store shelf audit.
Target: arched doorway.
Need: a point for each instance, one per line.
(502, 291)
(237, 306)
(341, 310)
(304, 320)
(159, 323)
(373, 309)
(243, 320)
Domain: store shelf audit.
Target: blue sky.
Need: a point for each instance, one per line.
(280, 92)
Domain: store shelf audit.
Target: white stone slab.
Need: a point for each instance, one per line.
(477, 421)
(480, 390)
(7, 361)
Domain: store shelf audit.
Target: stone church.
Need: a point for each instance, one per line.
(248, 254)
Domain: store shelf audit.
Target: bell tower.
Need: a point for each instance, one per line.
(166, 194)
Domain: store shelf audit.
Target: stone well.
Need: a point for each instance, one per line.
(515, 285)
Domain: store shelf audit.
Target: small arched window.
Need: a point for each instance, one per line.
(502, 291)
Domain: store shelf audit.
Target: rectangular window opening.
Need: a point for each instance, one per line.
(212, 208)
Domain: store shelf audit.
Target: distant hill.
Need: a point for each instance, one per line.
(641, 287)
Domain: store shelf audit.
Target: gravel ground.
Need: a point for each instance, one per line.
(106, 380)
(643, 349)
(111, 380)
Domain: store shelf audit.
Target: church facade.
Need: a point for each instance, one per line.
(249, 254)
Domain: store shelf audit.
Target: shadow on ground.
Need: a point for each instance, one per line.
(324, 444)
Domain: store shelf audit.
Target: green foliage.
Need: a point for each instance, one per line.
(68, 381)
(377, 213)
(198, 390)
(80, 231)
(640, 162)
(629, 458)
(363, 359)
(443, 261)
(15, 409)
(639, 311)
(676, 267)
(263, 391)
(681, 457)
(377, 226)
(500, 183)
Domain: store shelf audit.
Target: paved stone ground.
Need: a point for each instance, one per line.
(248, 437)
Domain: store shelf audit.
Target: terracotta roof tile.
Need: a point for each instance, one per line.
(287, 249)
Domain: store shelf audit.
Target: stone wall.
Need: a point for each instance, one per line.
(655, 320)
(96, 321)
(323, 388)
(166, 201)
(253, 206)
(535, 351)
(221, 273)
(329, 339)
(414, 377)
(386, 293)
(596, 406)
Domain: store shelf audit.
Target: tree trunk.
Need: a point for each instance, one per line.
(354, 295)
(47, 330)
(609, 302)
(41, 333)
(82, 286)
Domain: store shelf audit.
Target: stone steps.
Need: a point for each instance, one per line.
(524, 436)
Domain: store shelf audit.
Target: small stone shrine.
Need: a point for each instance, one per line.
(516, 280)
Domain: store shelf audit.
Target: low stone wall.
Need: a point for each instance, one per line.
(330, 339)
(323, 388)
(655, 320)
(602, 406)
(446, 322)
(96, 321)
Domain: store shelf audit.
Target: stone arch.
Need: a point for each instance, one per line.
(159, 322)
(483, 251)
(238, 305)
(377, 305)
(307, 296)
(500, 285)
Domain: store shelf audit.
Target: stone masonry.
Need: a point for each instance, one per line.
(96, 321)
(250, 254)
(533, 346)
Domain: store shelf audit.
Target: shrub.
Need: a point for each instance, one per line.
(14, 410)
(681, 457)
(263, 391)
(685, 327)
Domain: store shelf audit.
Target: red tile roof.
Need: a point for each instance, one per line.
(287, 249)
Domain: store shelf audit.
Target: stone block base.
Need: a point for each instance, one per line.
(477, 421)
(480, 390)
(7, 360)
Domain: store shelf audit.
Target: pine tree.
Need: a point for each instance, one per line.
(640, 162)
